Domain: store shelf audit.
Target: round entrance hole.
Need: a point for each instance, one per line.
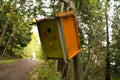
(49, 30)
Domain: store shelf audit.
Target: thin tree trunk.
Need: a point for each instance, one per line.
(108, 46)
(5, 26)
(4, 29)
(9, 40)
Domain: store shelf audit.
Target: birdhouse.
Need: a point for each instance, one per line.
(59, 36)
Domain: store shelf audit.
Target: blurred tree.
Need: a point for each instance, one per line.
(14, 26)
(115, 46)
(91, 25)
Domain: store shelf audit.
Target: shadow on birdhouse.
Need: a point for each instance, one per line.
(59, 36)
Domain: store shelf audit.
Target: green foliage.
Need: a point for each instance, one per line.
(45, 71)
(33, 47)
(14, 27)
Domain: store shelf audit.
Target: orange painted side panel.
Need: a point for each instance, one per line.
(71, 33)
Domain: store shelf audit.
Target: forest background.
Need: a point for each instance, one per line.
(99, 31)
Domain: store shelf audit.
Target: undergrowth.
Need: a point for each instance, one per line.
(45, 71)
(5, 61)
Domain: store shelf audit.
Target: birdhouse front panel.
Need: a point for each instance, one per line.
(50, 38)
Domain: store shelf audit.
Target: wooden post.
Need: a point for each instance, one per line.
(76, 64)
(77, 67)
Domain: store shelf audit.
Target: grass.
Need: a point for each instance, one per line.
(5, 61)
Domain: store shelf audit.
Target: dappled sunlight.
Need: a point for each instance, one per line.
(34, 56)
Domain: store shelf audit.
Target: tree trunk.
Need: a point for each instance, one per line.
(5, 28)
(108, 45)
(9, 40)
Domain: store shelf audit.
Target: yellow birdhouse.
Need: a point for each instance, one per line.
(59, 36)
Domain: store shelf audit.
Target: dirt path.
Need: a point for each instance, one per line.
(17, 70)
